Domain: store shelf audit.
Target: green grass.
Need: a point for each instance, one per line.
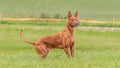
(88, 9)
(53, 23)
(93, 48)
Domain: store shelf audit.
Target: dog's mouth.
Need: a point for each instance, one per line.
(75, 25)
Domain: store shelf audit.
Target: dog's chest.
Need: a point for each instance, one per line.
(68, 39)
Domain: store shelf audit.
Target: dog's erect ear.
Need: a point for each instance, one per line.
(69, 14)
(76, 14)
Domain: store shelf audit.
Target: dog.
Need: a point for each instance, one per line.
(63, 40)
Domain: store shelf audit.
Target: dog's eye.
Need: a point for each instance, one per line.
(72, 19)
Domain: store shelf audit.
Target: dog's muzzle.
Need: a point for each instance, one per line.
(76, 24)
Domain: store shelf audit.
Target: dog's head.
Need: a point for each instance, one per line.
(73, 20)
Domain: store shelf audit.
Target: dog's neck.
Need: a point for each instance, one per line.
(69, 28)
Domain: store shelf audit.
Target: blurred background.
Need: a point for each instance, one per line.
(88, 9)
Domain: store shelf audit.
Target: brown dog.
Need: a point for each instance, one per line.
(63, 40)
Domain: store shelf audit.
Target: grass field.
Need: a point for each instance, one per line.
(93, 48)
(88, 9)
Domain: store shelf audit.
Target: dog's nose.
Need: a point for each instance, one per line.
(77, 24)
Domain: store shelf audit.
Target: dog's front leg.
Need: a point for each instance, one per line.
(65, 47)
(67, 51)
(72, 50)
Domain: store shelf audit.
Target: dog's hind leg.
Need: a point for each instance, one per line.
(42, 50)
(44, 53)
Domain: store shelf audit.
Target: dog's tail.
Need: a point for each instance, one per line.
(25, 39)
